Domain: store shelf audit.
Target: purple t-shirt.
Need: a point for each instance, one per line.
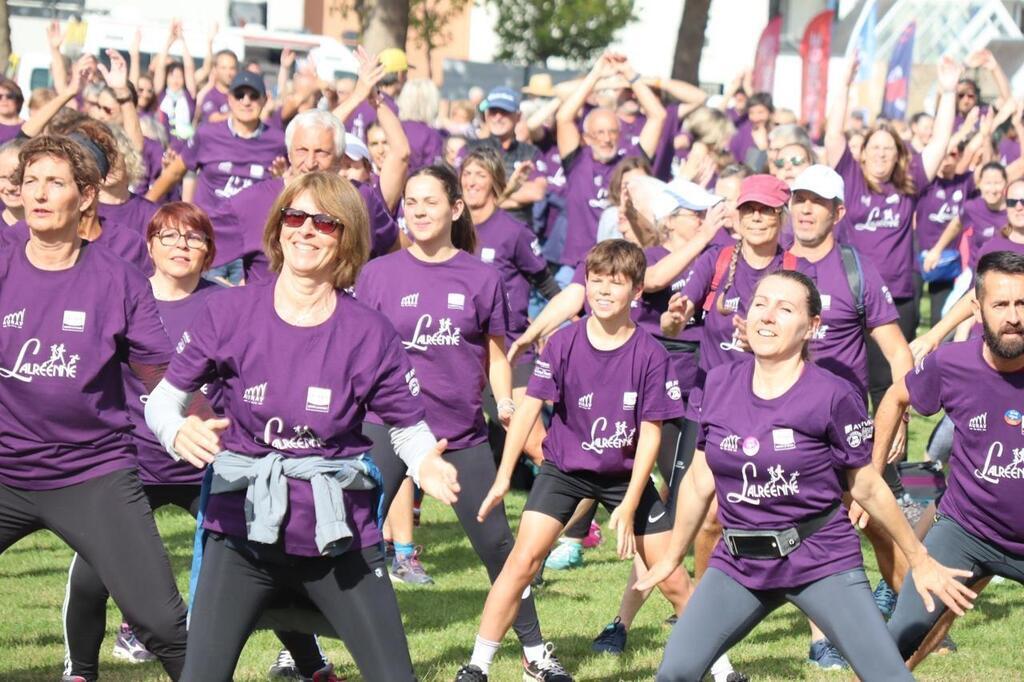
(65, 338)
(125, 243)
(9, 132)
(880, 224)
(215, 102)
(600, 397)
(152, 162)
(941, 201)
(839, 345)
(156, 467)
(444, 313)
(1000, 243)
(228, 164)
(777, 462)
(514, 250)
(351, 363)
(586, 195)
(134, 214)
(983, 223)
(629, 133)
(742, 142)
(1009, 150)
(985, 485)
(425, 145)
(364, 116)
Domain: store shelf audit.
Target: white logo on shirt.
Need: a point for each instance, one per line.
(860, 432)
(185, 340)
(542, 370)
(224, 166)
(819, 333)
(629, 400)
(783, 439)
(487, 255)
(988, 232)
(303, 438)
(57, 366)
(887, 294)
(255, 395)
(730, 443)
(673, 391)
(256, 171)
(446, 334)
(318, 399)
(15, 320)
(751, 446)
(732, 304)
(826, 302)
(733, 343)
(979, 423)
(535, 247)
(74, 321)
(414, 383)
(410, 301)
(778, 485)
(586, 402)
(992, 473)
(456, 301)
(622, 438)
(879, 218)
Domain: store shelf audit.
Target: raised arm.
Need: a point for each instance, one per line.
(984, 59)
(652, 107)
(160, 62)
(835, 136)
(560, 309)
(117, 78)
(535, 123)
(189, 65)
(566, 132)
(58, 72)
(933, 153)
(134, 60)
(396, 161)
(203, 74)
(37, 122)
(171, 176)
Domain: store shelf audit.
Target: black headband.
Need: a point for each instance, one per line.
(102, 163)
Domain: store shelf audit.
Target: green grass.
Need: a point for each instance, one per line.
(441, 621)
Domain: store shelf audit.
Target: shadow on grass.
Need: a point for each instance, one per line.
(430, 608)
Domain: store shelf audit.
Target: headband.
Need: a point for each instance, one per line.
(102, 163)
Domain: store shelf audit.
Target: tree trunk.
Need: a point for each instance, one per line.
(5, 37)
(690, 41)
(387, 22)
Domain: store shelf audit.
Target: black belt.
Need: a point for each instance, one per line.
(775, 544)
(678, 345)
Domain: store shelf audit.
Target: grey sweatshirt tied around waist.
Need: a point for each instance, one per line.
(265, 481)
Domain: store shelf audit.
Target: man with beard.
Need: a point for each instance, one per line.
(980, 385)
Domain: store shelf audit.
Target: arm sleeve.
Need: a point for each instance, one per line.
(545, 283)
(850, 432)
(165, 413)
(494, 308)
(544, 383)
(411, 444)
(146, 339)
(194, 363)
(924, 384)
(190, 152)
(698, 279)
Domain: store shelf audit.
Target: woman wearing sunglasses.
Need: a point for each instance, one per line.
(451, 311)
(299, 363)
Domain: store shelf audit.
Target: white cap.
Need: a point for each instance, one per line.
(659, 200)
(355, 148)
(820, 180)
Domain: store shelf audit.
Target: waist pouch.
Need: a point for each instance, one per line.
(774, 544)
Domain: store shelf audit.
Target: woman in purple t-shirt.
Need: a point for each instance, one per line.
(299, 363)
(979, 219)
(10, 193)
(778, 438)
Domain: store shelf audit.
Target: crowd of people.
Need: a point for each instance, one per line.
(292, 311)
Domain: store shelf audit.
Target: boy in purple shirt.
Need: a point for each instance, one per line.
(213, 103)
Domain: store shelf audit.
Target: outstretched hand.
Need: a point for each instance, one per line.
(438, 478)
(932, 578)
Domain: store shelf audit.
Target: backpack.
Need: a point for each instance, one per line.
(722, 265)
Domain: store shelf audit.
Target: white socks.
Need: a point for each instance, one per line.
(534, 653)
(721, 668)
(483, 653)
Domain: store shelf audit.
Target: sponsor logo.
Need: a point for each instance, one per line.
(856, 434)
(778, 485)
(410, 301)
(446, 334)
(751, 446)
(1013, 417)
(892, 199)
(256, 171)
(14, 320)
(223, 166)
(487, 255)
(586, 402)
(74, 321)
(673, 391)
(733, 343)
(629, 400)
(826, 302)
(184, 341)
(621, 438)
(730, 443)
(59, 365)
(783, 439)
(318, 399)
(598, 181)
(979, 423)
(653, 518)
(993, 473)
(302, 437)
(878, 218)
(413, 382)
(988, 232)
(820, 332)
(535, 247)
(732, 304)
(255, 395)
(887, 294)
(456, 301)
(542, 370)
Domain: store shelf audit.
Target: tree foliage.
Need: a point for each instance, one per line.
(532, 31)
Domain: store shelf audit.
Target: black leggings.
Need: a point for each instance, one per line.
(492, 540)
(352, 591)
(108, 521)
(85, 606)
(938, 292)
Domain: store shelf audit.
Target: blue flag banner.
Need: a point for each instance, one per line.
(897, 77)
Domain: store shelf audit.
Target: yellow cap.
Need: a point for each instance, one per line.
(393, 60)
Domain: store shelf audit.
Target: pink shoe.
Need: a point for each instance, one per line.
(593, 538)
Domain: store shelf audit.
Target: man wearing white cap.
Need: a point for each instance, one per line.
(854, 299)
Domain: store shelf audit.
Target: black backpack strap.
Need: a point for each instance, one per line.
(855, 278)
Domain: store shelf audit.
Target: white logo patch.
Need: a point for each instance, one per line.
(622, 438)
(255, 395)
(57, 366)
(14, 320)
(783, 439)
(629, 400)
(586, 402)
(414, 383)
(487, 255)
(446, 334)
(673, 391)
(856, 434)
(826, 302)
(730, 443)
(535, 247)
(456, 301)
(185, 340)
(778, 485)
(318, 399)
(410, 301)
(74, 321)
(979, 423)
(542, 370)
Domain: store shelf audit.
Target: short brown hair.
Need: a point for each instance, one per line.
(618, 257)
(12, 88)
(83, 167)
(187, 215)
(488, 159)
(338, 198)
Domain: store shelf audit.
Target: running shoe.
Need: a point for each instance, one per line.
(885, 598)
(672, 620)
(825, 656)
(612, 639)
(389, 550)
(547, 669)
(127, 647)
(408, 569)
(737, 676)
(593, 538)
(946, 646)
(564, 556)
(284, 667)
(911, 510)
(470, 673)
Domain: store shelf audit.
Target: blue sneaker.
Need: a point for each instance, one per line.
(885, 598)
(612, 639)
(825, 656)
(564, 556)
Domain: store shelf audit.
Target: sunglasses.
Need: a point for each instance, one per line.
(793, 161)
(244, 95)
(322, 223)
(966, 93)
(1014, 203)
(7, 95)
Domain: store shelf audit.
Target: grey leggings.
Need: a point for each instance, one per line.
(722, 612)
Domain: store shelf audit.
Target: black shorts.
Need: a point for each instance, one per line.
(556, 494)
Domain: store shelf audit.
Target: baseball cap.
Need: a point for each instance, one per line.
(393, 60)
(660, 200)
(764, 189)
(355, 149)
(820, 180)
(248, 79)
(502, 98)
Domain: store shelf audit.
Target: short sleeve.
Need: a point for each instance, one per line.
(365, 292)
(662, 395)
(847, 166)
(918, 173)
(698, 279)
(570, 159)
(850, 431)
(544, 382)
(493, 311)
(383, 228)
(395, 394)
(190, 152)
(528, 256)
(924, 384)
(693, 409)
(144, 332)
(879, 308)
(194, 363)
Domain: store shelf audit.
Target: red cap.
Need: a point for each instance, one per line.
(764, 189)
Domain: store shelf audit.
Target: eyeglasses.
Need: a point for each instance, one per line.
(244, 95)
(1014, 203)
(322, 223)
(193, 240)
(793, 161)
(7, 95)
(966, 93)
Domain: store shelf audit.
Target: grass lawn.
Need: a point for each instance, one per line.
(441, 620)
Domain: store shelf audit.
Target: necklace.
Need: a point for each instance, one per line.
(324, 305)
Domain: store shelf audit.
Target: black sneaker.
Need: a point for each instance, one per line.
(672, 620)
(547, 669)
(736, 676)
(946, 646)
(470, 673)
(284, 667)
(612, 639)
